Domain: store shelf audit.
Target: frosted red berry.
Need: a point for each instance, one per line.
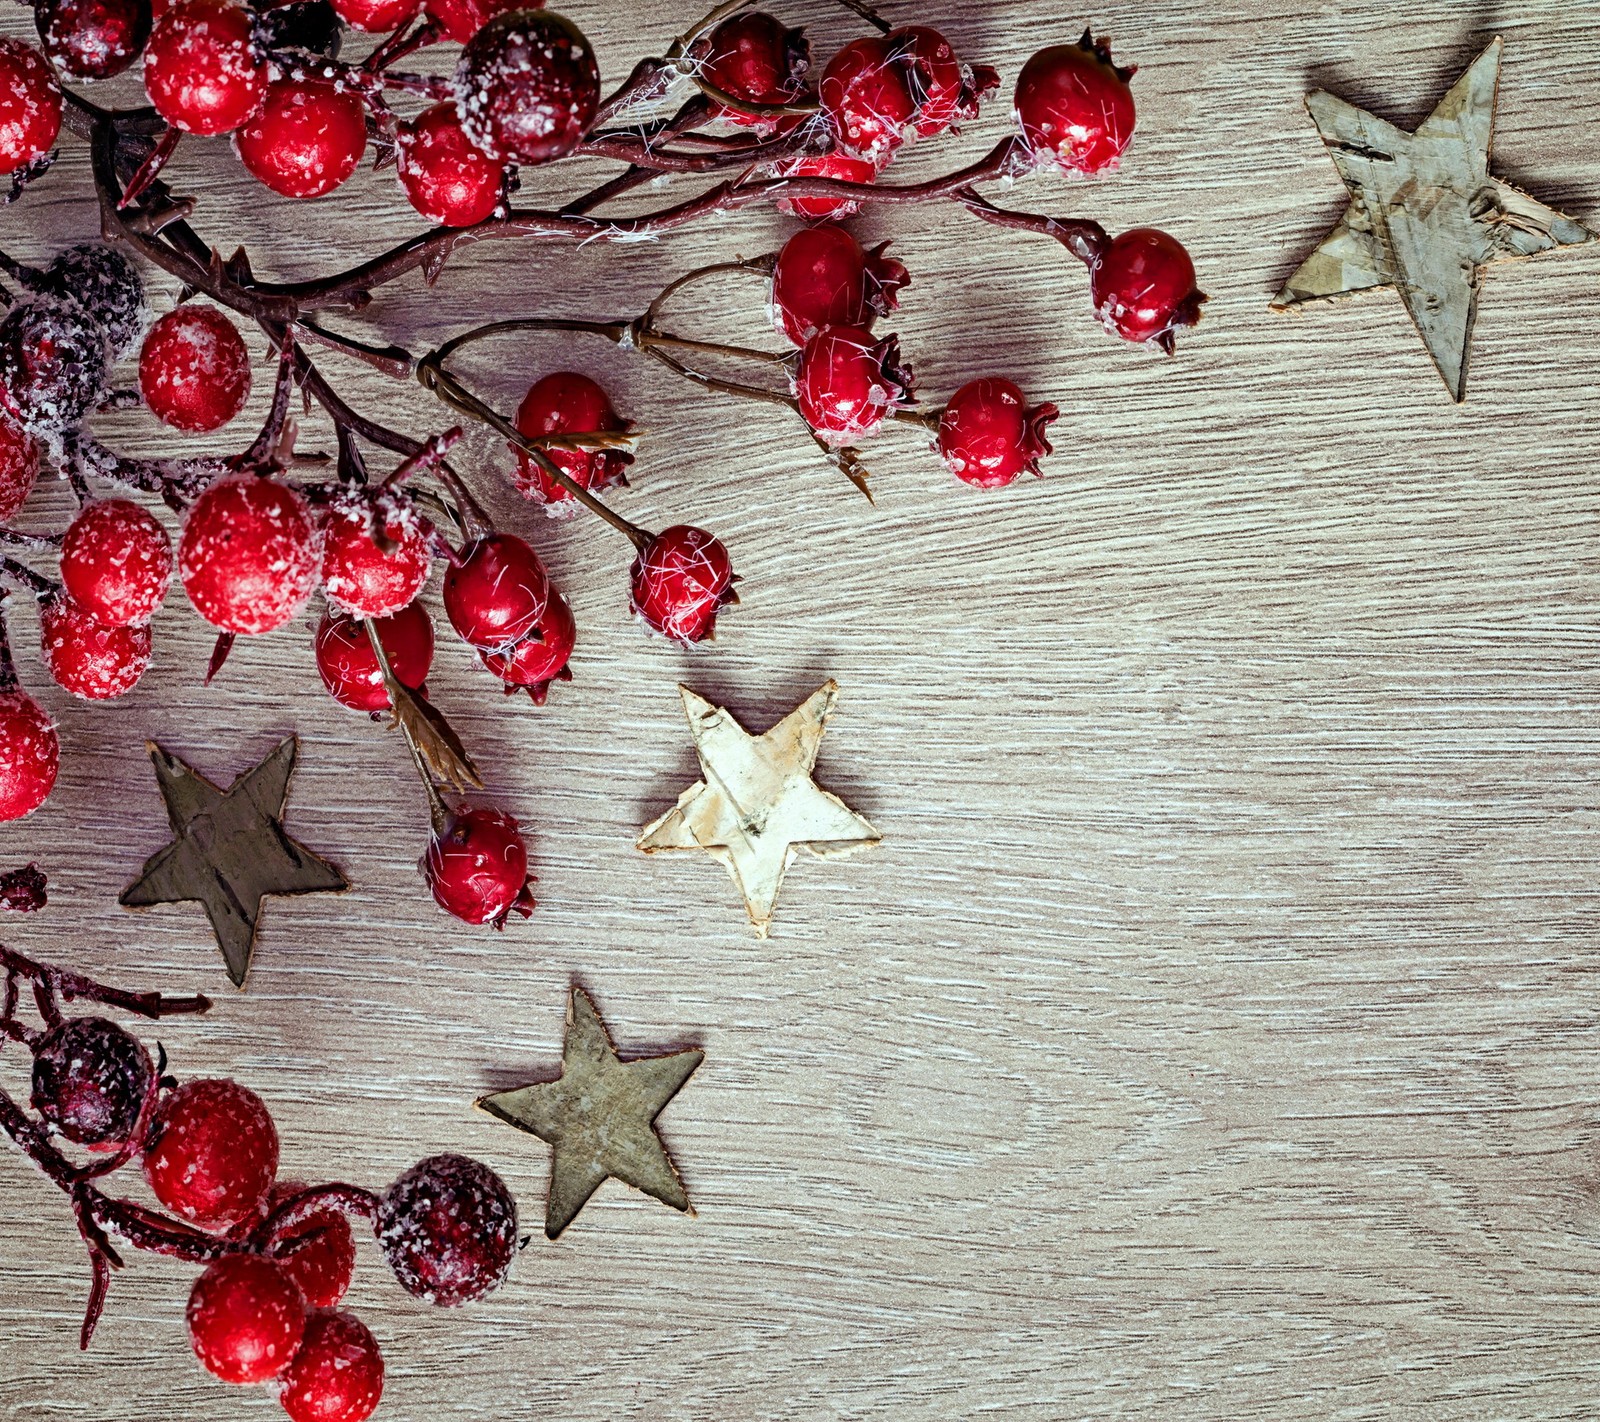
(448, 1228)
(30, 755)
(90, 1081)
(349, 667)
(867, 99)
(30, 105)
(194, 370)
(461, 19)
(246, 1318)
(1075, 107)
(203, 69)
(319, 1253)
(116, 562)
(212, 1154)
(848, 383)
(539, 658)
(757, 59)
(824, 278)
(945, 90)
(527, 87)
(93, 39)
(1143, 286)
(249, 555)
(87, 658)
(337, 1376)
(839, 167)
(377, 17)
(568, 403)
(53, 365)
(680, 581)
(306, 139)
(496, 593)
(19, 466)
(989, 435)
(360, 575)
(445, 176)
(477, 869)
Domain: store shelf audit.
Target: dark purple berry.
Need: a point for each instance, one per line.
(448, 1228)
(53, 363)
(90, 1079)
(93, 39)
(105, 286)
(311, 25)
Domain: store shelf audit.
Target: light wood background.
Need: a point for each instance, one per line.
(1214, 1034)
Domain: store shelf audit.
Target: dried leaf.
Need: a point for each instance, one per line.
(431, 737)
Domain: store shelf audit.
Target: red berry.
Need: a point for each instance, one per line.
(248, 557)
(945, 90)
(1075, 107)
(116, 561)
(681, 580)
(527, 87)
(360, 575)
(349, 667)
(446, 178)
(461, 19)
(246, 1318)
(1144, 289)
(30, 755)
(840, 167)
(867, 99)
(755, 58)
(90, 1080)
(478, 868)
(565, 403)
(497, 593)
(337, 1376)
(203, 70)
(19, 466)
(988, 435)
(53, 365)
(448, 1228)
(93, 39)
(307, 138)
(86, 657)
(377, 17)
(212, 1152)
(848, 383)
(30, 105)
(537, 660)
(319, 1253)
(194, 370)
(823, 278)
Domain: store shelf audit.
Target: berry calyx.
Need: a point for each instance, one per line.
(497, 593)
(1143, 286)
(212, 1153)
(337, 1376)
(349, 667)
(87, 658)
(847, 383)
(19, 466)
(477, 869)
(988, 435)
(756, 58)
(540, 658)
(824, 278)
(30, 105)
(203, 70)
(867, 99)
(249, 555)
(90, 1080)
(246, 1318)
(841, 167)
(946, 91)
(53, 365)
(30, 755)
(448, 1228)
(1074, 106)
(680, 581)
(319, 1253)
(527, 87)
(377, 17)
(194, 370)
(362, 575)
(105, 285)
(567, 403)
(446, 178)
(461, 19)
(306, 139)
(116, 562)
(93, 39)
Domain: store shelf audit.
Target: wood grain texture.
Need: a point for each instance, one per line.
(1214, 1034)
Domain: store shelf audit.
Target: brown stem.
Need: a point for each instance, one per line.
(74, 985)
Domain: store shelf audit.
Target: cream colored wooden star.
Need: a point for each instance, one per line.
(758, 804)
(1425, 214)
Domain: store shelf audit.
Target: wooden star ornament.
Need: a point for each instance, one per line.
(599, 1117)
(1425, 215)
(758, 804)
(230, 850)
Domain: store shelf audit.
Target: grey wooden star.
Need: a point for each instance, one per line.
(1425, 214)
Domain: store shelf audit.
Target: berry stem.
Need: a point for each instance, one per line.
(298, 1209)
(8, 668)
(26, 578)
(1086, 240)
(73, 986)
(16, 538)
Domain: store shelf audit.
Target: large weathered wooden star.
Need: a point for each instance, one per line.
(599, 1117)
(230, 850)
(1425, 214)
(758, 804)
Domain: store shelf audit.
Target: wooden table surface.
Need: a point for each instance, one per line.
(1214, 1034)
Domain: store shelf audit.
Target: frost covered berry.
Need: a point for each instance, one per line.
(448, 1228)
(203, 70)
(30, 755)
(306, 139)
(988, 435)
(116, 562)
(349, 667)
(246, 1318)
(105, 285)
(212, 1153)
(377, 17)
(53, 365)
(824, 278)
(945, 90)
(30, 105)
(90, 1080)
(539, 658)
(194, 370)
(446, 178)
(527, 87)
(1143, 286)
(477, 869)
(337, 1376)
(461, 19)
(868, 101)
(19, 466)
(840, 167)
(757, 59)
(680, 581)
(1074, 106)
(93, 39)
(847, 383)
(567, 403)
(319, 1253)
(496, 593)
(87, 658)
(362, 575)
(249, 555)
